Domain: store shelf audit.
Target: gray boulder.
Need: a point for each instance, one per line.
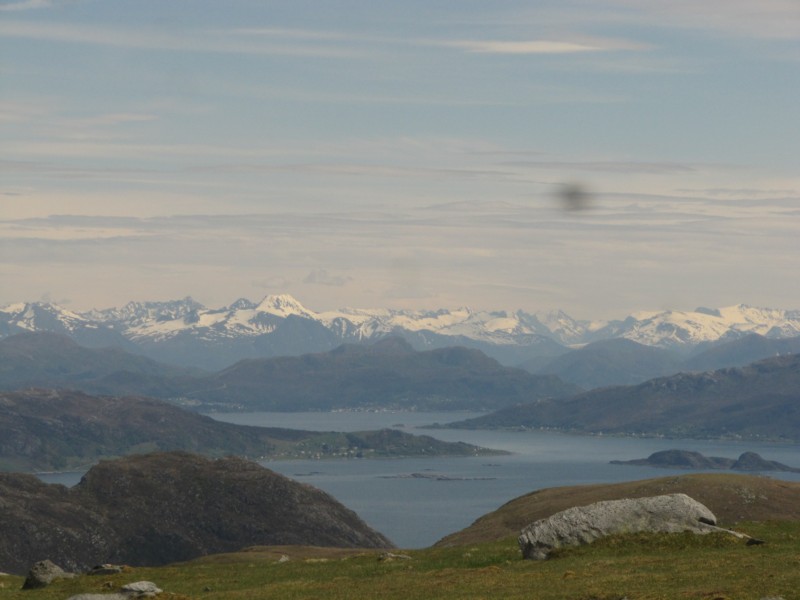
(106, 569)
(129, 591)
(140, 589)
(583, 524)
(43, 573)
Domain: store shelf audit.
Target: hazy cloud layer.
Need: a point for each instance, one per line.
(406, 154)
(620, 249)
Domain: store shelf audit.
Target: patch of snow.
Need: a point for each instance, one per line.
(161, 320)
(12, 309)
(283, 305)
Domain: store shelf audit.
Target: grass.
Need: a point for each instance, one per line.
(636, 567)
(730, 496)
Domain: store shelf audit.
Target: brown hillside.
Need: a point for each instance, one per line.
(731, 498)
(161, 508)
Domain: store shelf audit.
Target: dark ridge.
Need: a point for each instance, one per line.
(162, 508)
(759, 401)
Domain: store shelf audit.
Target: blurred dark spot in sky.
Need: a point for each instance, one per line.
(574, 197)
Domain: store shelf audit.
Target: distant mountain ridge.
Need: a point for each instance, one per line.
(757, 401)
(184, 332)
(620, 361)
(388, 373)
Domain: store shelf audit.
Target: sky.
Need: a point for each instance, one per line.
(599, 156)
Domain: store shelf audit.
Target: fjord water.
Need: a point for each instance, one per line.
(449, 493)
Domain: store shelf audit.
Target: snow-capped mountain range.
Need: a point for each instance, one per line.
(186, 332)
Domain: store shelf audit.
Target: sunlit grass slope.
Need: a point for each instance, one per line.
(484, 561)
(681, 566)
(731, 497)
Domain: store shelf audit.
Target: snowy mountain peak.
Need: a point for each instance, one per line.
(138, 313)
(242, 304)
(686, 328)
(562, 326)
(283, 305)
(42, 316)
(245, 329)
(16, 308)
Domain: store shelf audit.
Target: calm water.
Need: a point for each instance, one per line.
(416, 512)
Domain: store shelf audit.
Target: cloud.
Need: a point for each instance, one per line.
(322, 277)
(608, 166)
(303, 34)
(497, 46)
(764, 19)
(23, 112)
(25, 5)
(746, 192)
(532, 47)
(276, 284)
(296, 42)
(184, 41)
(481, 253)
(542, 46)
(108, 119)
(408, 293)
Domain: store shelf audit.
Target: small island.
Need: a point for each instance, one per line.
(687, 459)
(383, 443)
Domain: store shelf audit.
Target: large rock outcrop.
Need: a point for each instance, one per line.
(671, 513)
(43, 573)
(160, 508)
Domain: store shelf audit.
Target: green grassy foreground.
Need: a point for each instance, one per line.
(652, 566)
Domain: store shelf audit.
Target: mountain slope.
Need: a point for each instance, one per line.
(741, 351)
(54, 430)
(761, 400)
(388, 374)
(617, 361)
(48, 429)
(620, 361)
(43, 359)
(37, 317)
(163, 508)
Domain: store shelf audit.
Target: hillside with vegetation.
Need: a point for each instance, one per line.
(167, 507)
(637, 567)
(758, 401)
(43, 430)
